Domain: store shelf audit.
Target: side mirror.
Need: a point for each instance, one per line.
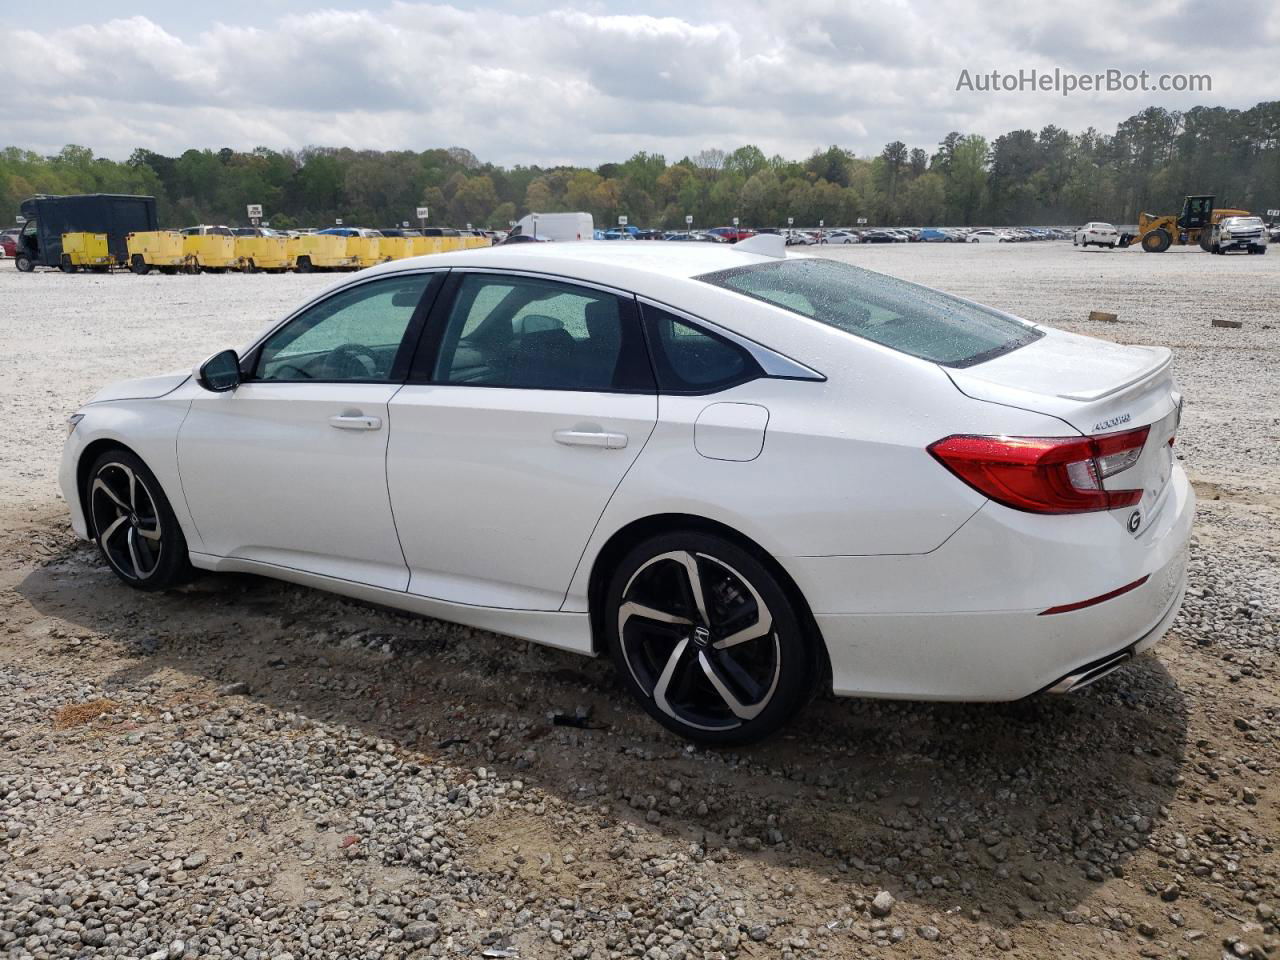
(221, 372)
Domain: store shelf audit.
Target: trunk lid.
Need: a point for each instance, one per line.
(1098, 388)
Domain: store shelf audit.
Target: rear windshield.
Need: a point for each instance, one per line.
(903, 316)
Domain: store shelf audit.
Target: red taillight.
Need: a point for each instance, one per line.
(1045, 474)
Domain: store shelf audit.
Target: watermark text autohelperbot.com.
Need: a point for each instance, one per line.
(1066, 82)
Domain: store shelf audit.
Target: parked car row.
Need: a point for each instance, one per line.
(846, 235)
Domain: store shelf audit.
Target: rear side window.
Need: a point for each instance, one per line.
(894, 313)
(525, 332)
(689, 359)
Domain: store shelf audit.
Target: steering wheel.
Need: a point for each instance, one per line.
(351, 361)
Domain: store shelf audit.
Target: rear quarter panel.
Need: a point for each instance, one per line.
(844, 469)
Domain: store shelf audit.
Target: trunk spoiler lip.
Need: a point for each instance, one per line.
(1163, 358)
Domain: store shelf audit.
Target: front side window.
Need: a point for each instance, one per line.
(505, 331)
(912, 319)
(353, 335)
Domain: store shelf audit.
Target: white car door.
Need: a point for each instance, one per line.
(529, 401)
(289, 468)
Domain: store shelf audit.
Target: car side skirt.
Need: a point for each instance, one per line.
(564, 631)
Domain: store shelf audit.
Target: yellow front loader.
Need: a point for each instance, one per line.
(1158, 232)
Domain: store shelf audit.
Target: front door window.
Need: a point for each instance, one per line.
(354, 335)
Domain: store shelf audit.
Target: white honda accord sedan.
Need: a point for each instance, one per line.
(739, 473)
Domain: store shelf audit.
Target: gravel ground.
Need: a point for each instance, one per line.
(253, 770)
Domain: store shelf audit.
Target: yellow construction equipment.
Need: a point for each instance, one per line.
(88, 250)
(320, 251)
(162, 249)
(210, 248)
(366, 246)
(449, 239)
(258, 248)
(1158, 232)
(423, 245)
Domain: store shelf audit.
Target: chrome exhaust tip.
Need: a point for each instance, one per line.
(1094, 671)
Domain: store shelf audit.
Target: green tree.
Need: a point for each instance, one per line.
(966, 186)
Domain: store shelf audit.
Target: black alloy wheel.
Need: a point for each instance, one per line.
(133, 523)
(707, 639)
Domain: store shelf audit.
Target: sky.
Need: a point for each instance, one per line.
(524, 82)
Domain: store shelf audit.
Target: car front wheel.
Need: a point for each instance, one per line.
(707, 639)
(133, 524)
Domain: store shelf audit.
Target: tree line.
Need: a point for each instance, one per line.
(1050, 176)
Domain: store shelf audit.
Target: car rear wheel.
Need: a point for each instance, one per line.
(707, 639)
(23, 263)
(133, 523)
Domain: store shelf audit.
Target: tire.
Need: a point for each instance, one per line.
(23, 263)
(1204, 243)
(1157, 241)
(1111, 246)
(133, 523)
(673, 663)
(66, 266)
(139, 266)
(305, 265)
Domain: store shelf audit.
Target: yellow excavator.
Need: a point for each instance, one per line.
(1158, 232)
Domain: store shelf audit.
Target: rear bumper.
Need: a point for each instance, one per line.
(967, 622)
(1087, 673)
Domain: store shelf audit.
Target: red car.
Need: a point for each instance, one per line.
(9, 242)
(732, 234)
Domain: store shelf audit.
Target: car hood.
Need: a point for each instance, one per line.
(143, 388)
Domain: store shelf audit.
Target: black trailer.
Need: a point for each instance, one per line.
(48, 218)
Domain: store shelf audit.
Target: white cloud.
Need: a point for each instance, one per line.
(564, 85)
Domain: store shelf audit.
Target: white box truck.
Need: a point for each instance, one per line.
(555, 226)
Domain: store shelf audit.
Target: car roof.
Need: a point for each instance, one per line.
(593, 260)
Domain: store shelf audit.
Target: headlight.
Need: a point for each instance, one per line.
(72, 421)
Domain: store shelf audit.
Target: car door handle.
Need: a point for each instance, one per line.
(591, 438)
(349, 421)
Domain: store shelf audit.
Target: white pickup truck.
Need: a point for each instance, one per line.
(1238, 233)
(1098, 233)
